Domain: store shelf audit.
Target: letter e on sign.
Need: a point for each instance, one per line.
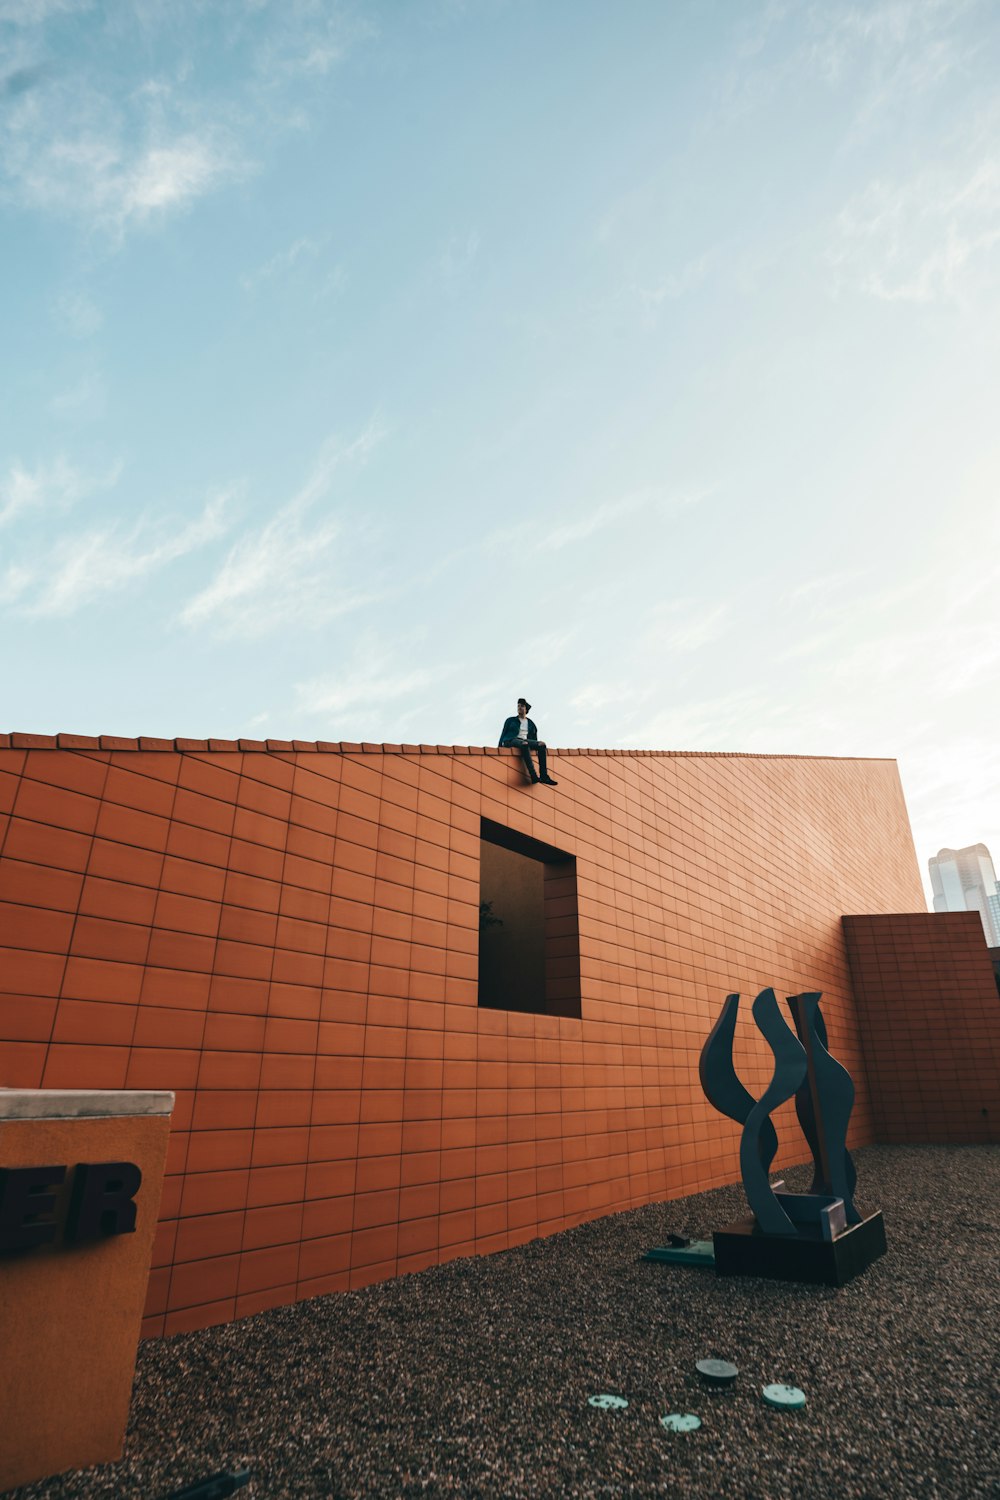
(26, 1206)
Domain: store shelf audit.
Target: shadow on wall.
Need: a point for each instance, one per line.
(529, 939)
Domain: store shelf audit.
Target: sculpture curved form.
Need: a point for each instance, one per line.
(823, 1104)
(790, 1069)
(720, 1084)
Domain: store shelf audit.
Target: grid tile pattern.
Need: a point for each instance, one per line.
(930, 1025)
(286, 935)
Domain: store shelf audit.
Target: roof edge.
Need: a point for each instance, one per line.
(18, 741)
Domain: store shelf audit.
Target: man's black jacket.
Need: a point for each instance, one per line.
(510, 733)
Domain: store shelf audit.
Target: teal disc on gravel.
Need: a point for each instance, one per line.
(608, 1403)
(717, 1371)
(680, 1421)
(788, 1397)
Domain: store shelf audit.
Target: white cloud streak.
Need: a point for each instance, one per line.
(373, 695)
(334, 696)
(85, 401)
(112, 185)
(84, 567)
(607, 514)
(725, 722)
(281, 263)
(77, 314)
(904, 46)
(594, 697)
(49, 487)
(285, 573)
(920, 241)
(291, 266)
(310, 39)
(684, 626)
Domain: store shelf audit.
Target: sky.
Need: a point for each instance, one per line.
(366, 366)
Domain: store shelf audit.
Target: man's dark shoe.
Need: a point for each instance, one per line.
(535, 779)
(546, 780)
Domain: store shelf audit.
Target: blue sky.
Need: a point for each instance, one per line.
(366, 366)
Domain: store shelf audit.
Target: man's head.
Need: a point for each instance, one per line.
(522, 708)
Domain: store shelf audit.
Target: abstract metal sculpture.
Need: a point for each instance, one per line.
(814, 1236)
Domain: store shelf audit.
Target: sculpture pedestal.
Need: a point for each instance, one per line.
(743, 1249)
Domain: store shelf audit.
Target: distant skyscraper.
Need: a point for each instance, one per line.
(965, 880)
(994, 905)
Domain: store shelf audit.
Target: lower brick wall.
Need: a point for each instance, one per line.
(930, 1025)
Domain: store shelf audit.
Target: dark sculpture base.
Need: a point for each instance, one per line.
(742, 1249)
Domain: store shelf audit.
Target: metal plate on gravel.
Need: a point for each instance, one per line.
(697, 1253)
(788, 1397)
(717, 1371)
(608, 1403)
(680, 1421)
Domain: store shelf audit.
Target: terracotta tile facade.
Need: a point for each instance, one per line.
(930, 1025)
(286, 935)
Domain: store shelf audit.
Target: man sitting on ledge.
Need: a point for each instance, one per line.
(521, 733)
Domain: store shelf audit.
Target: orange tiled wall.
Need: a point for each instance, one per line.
(286, 935)
(930, 1023)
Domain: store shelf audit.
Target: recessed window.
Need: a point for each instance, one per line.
(529, 931)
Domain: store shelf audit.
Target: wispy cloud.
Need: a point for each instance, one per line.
(81, 568)
(334, 696)
(594, 697)
(904, 46)
(655, 255)
(167, 176)
(607, 514)
(377, 692)
(112, 184)
(49, 487)
(684, 625)
(830, 613)
(115, 148)
(947, 658)
(281, 263)
(83, 401)
(81, 145)
(729, 721)
(286, 265)
(309, 39)
(919, 241)
(818, 592)
(654, 294)
(526, 537)
(886, 53)
(290, 571)
(77, 314)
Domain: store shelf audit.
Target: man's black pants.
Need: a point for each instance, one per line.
(526, 747)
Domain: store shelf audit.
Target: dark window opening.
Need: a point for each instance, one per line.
(529, 930)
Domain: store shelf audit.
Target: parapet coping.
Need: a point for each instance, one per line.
(81, 1104)
(16, 741)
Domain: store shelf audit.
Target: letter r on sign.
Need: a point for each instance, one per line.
(102, 1200)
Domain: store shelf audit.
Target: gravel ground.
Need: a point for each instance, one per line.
(472, 1378)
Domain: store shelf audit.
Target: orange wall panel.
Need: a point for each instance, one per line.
(287, 937)
(930, 1024)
